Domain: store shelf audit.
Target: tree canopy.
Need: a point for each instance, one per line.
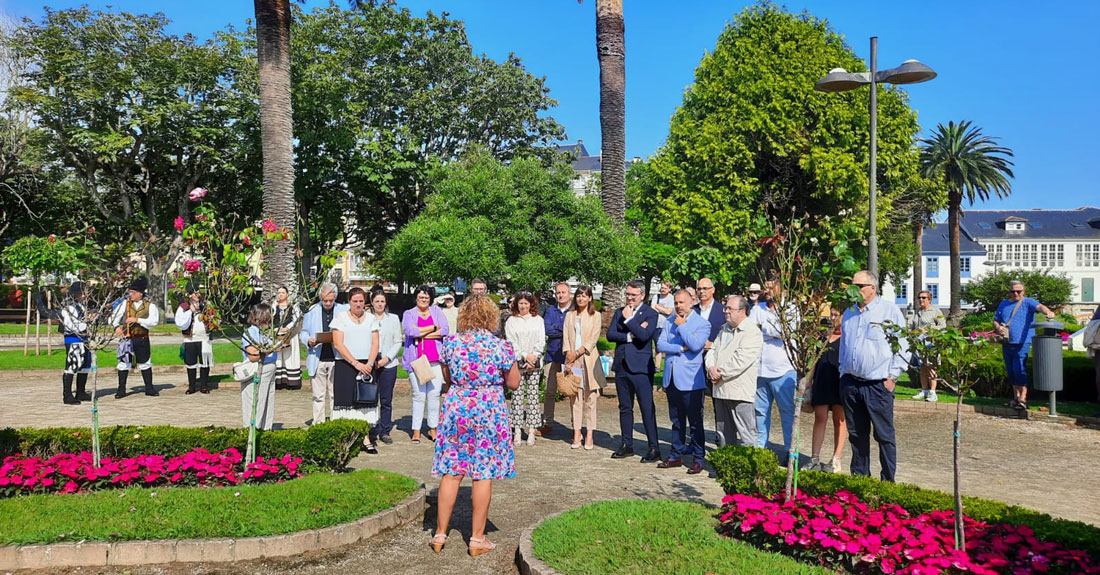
(753, 138)
(1051, 289)
(517, 223)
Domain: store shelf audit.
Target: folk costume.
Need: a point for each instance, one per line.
(134, 346)
(288, 361)
(198, 355)
(78, 358)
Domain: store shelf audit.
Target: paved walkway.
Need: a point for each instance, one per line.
(1043, 465)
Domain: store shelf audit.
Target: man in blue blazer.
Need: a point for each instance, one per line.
(632, 329)
(683, 338)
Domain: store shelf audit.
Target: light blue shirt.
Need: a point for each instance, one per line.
(684, 367)
(864, 350)
(254, 335)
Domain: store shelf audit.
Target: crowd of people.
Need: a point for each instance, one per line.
(460, 360)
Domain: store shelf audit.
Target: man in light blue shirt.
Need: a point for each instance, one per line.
(1013, 319)
(869, 370)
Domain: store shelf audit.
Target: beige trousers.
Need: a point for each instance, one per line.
(320, 386)
(583, 406)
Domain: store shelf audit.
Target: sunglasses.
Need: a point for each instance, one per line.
(861, 286)
(1017, 291)
(923, 297)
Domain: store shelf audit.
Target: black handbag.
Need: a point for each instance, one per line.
(366, 391)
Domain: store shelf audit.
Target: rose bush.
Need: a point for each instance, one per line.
(74, 472)
(841, 532)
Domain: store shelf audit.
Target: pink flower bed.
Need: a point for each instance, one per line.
(74, 472)
(842, 532)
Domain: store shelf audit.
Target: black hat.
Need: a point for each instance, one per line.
(140, 284)
(76, 289)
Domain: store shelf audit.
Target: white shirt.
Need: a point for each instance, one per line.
(668, 301)
(774, 361)
(580, 342)
(357, 336)
(119, 315)
(390, 338)
(185, 319)
(527, 334)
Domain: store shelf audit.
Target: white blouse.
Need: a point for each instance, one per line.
(357, 336)
(527, 335)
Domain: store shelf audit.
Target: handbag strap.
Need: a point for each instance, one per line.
(1013, 314)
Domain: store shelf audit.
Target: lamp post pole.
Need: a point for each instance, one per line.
(872, 239)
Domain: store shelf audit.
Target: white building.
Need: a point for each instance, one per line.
(1063, 241)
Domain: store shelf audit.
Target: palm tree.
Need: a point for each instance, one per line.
(276, 133)
(969, 165)
(611, 52)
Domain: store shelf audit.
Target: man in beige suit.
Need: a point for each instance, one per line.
(732, 364)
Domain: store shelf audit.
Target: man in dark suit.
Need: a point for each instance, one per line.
(632, 329)
(707, 309)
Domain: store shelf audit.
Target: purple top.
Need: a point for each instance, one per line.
(409, 321)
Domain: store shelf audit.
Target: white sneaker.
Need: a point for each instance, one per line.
(922, 395)
(931, 396)
(531, 436)
(517, 437)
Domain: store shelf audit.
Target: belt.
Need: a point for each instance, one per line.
(861, 380)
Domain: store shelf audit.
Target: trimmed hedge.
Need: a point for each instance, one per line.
(753, 471)
(330, 445)
(1078, 373)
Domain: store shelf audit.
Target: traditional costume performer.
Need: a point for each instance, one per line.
(78, 358)
(134, 317)
(198, 355)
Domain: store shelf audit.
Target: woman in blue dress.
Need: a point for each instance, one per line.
(474, 430)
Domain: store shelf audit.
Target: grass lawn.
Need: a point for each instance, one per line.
(904, 392)
(658, 537)
(313, 501)
(224, 352)
(17, 329)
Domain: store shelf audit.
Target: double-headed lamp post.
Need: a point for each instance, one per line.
(840, 80)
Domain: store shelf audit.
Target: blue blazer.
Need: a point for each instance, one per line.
(553, 322)
(686, 366)
(717, 318)
(635, 356)
(311, 326)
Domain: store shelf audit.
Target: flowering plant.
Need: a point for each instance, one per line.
(842, 532)
(76, 472)
(197, 194)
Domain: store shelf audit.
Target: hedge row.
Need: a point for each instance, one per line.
(1078, 373)
(752, 471)
(330, 445)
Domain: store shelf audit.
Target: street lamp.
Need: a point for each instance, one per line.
(840, 80)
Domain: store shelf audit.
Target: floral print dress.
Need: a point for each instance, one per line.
(474, 434)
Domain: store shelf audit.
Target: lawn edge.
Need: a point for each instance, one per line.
(526, 560)
(216, 550)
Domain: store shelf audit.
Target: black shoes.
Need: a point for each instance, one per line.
(651, 456)
(385, 439)
(121, 393)
(70, 400)
(623, 452)
(84, 396)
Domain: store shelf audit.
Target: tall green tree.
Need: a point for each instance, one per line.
(273, 19)
(972, 166)
(517, 223)
(381, 98)
(754, 140)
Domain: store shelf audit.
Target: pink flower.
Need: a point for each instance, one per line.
(197, 194)
(178, 223)
(269, 226)
(191, 266)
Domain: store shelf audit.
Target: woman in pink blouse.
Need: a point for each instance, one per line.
(424, 326)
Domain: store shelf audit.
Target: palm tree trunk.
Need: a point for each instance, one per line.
(918, 267)
(611, 51)
(276, 131)
(954, 214)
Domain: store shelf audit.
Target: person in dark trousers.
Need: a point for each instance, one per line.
(682, 340)
(869, 369)
(133, 318)
(632, 329)
(78, 358)
(554, 321)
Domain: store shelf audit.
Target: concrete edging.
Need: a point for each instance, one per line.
(100, 553)
(907, 405)
(526, 561)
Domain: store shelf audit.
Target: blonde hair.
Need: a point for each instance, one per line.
(478, 312)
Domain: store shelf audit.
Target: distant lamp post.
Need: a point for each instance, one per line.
(840, 80)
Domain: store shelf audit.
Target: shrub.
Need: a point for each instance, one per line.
(1077, 377)
(978, 321)
(986, 292)
(328, 445)
(732, 464)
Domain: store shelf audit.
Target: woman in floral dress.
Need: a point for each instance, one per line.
(474, 430)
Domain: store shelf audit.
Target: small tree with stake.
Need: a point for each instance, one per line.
(953, 358)
(225, 255)
(810, 259)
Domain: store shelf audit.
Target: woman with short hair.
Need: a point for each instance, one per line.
(424, 326)
(355, 341)
(473, 432)
(526, 332)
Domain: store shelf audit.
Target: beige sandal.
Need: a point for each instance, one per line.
(439, 540)
(483, 546)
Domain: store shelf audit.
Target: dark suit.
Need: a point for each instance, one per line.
(634, 370)
(717, 318)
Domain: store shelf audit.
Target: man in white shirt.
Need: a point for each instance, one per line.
(133, 318)
(732, 365)
(777, 379)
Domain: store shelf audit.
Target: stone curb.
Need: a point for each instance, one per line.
(526, 561)
(907, 405)
(96, 554)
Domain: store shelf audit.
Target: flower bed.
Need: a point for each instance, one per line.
(842, 532)
(75, 473)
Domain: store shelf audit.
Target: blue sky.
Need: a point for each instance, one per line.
(1022, 74)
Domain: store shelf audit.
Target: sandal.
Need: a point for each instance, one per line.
(483, 546)
(371, 449)
(416, 441)
(439, 540)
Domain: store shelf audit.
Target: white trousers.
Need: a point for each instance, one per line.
(265, 400)
(427, 392)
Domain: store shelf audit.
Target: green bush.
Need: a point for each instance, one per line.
(603, 345)
(746, 470)
(1078, 373)
(978, 321)
(986, 292)
(328, 445)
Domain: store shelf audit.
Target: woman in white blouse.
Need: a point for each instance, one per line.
(198, 355)
(390, 338)
(526, 331)
(355, 341)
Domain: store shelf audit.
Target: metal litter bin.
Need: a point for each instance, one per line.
(1046, 348)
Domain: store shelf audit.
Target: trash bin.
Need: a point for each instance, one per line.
(1046, 348)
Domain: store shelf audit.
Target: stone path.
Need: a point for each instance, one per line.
(1046, 466)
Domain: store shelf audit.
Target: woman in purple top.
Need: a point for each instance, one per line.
(424, 326)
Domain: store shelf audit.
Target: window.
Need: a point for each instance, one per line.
(935, 289)
(932, 267)
(964, 267)
(1088, 255)
(902, 295)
